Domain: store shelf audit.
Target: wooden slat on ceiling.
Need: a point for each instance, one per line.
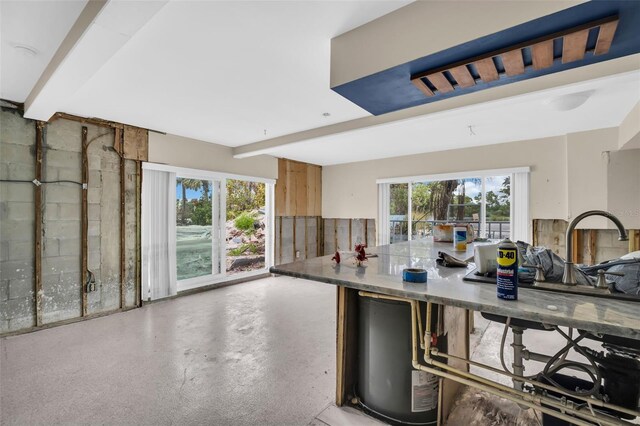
(542, 55)
(574, 46)
(513, 63)
(515, 60)
(487, 69)
(605, 37)
(463, 76)
(440, 82)
(421, 85)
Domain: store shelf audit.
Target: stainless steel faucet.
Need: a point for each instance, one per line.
(569, 276)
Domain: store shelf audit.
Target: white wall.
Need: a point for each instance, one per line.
(587, 164)
(195, 154)
(350, 191)
(569, 174)
(623, 182)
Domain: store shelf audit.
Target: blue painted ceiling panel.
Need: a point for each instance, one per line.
(392, 90)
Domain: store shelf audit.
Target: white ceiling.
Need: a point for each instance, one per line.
(226, 72)
(518, 118)
(238, 72)
(38, 25)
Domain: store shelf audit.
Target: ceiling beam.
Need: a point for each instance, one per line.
(576, 75)
(101, 30)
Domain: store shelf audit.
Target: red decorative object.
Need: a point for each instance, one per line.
(361, 256)
(336, 257)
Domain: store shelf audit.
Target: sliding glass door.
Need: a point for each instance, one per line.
(246, 226)
(194, 231)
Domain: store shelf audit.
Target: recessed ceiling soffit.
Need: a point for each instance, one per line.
(565, 47)
(582, 35)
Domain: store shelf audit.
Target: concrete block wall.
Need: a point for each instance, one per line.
(61, 222)
(17, 213)
(550, 233)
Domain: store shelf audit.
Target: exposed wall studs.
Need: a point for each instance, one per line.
(118, 142)
(85, 221)
(38, 223)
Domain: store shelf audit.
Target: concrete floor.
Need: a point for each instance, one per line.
(261, 352)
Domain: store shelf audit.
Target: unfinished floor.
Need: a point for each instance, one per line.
(261, 352)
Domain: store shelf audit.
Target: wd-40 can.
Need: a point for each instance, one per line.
(507, 275)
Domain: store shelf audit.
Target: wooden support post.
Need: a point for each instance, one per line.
(593, 239)
(577, 246)
(294, 239)
(340, 345)
(306, 243)
(366, 232)
(319, 237)
(118, 142)
(280, 244)
(138, 300)
(85, 221)
(634, 240)
(38, 223)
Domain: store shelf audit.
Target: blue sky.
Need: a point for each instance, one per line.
(191, 194)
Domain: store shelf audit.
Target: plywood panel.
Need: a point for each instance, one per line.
(314, 190)
(605, 37)
(463, 76)
(574, 46)
(487, 69)
(298, 190)
(281, 188)
(299, 175)
(513, 63)
(136, 143)
(441, 82)
(542, 54)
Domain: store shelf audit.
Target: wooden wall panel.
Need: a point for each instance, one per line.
(298, 189)
(136, 143)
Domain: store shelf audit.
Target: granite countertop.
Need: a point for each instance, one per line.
(383, 274)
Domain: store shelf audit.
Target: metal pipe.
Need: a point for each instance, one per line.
(569, 276)
(518, 366)
(515, 395)
(534, 356)
(596, 402)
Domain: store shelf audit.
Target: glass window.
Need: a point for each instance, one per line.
(398, 212)
(498, 199)
(193, 228)
(246, 226)
(484, 203)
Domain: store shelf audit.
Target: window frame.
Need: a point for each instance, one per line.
(221, 179)
(519, 214)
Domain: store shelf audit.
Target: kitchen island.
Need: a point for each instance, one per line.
(382, 275)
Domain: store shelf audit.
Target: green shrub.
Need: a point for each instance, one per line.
(239, 251)
(244, 222)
